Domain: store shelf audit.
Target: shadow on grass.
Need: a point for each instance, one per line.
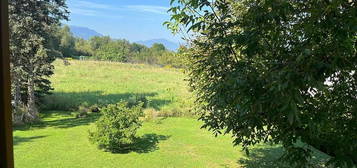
(265, 157)
(18, 140)
(268, 157)
(71, 122)
(67, 101)
(68, 120)
(144, 144)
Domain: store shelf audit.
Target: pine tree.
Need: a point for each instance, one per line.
(32, 25)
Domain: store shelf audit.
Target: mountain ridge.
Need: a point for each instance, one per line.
(167, 43)
(86, 33)
(83, 32)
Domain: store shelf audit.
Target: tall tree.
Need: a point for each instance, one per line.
(32, 25)
(67, 42)
(158, 47)
(96, 42)
(137, 48)
(82, 47)
(278, 71)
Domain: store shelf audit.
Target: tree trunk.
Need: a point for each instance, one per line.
(17, 111)
(31, 103)
(17, 94)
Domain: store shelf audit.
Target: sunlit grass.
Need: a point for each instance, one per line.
(61, 139)
(96, 82)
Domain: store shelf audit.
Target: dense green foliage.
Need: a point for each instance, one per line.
(117, 126)
(276, 71)
(117, 50)
(64, 42)
(32, 51)
(107, 49)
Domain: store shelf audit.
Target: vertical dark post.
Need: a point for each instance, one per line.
(6, 148)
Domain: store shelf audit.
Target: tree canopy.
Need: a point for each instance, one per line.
(276, 71)
(120, 50)
(32, 49)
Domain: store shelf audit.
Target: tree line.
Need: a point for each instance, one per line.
(104, 48)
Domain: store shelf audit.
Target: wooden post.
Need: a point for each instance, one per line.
(6, 148)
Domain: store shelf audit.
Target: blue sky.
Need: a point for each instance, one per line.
(130, 19)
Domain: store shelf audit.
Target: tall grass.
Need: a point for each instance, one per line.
(101, 83)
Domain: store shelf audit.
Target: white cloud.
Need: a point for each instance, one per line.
(87, 8)
(149, 8)
(85, 12)
(91, 5)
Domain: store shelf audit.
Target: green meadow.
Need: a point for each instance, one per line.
(170, 137)
(93, 82)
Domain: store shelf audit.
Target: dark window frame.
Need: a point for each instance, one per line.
(6, 144)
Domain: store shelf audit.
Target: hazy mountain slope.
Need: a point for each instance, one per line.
(84, 32)
(168, 44)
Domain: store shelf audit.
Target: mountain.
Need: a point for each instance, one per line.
(168, 44)
(87, 33)
(83, 32)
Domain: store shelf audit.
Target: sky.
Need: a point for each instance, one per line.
(133, 20)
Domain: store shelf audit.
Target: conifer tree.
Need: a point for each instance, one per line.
(32, 25)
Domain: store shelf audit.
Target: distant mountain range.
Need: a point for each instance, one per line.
(87, 33)
(84, 32)
(168, 44)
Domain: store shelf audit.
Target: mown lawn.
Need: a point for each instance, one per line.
(61, 140)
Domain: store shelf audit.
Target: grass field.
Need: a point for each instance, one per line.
(61, 140)
(94, 82)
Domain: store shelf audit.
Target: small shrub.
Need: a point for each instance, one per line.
(138, 99)
(84, 107)
(150, 114)
(94, 108)
(83, 110)
(172, 112)
(116, 128)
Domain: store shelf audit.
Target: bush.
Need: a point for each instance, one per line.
(150, 114)
(84, 107)
(94, 108)
(138, 99)
(83, 110)
(116, 128)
